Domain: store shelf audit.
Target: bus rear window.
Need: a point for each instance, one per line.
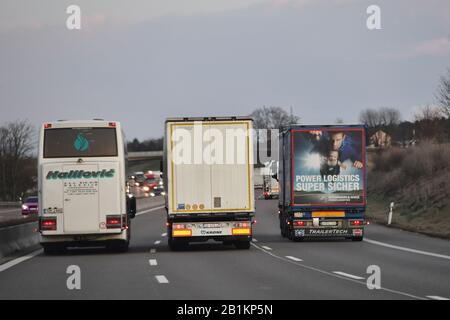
(80, 142)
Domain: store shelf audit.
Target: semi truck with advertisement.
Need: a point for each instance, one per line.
(208, 175)
(322, 176)
(82, 190)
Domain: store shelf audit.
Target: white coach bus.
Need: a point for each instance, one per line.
(83, 198)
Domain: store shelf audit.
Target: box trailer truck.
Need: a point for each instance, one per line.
(83, 198)
(208, 174)
(322, 179)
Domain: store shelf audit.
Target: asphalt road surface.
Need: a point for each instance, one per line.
(412, 266)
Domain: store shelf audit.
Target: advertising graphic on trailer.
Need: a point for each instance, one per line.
(328, 166)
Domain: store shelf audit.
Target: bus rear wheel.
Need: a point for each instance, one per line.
(120, 246)
(53, 249)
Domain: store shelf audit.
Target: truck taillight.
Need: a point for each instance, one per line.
(356, 222)
(48, 224)
(179, 226)
(242, 225)
(112, 124)
(113, 222)
(47, 125)
(300, 223)
(181, 233)
(241, 231)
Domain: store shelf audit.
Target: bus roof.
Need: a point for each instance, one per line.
(80, 123)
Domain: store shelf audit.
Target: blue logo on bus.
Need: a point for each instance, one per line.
(81, 143)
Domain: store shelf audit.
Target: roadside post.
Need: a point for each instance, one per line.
(391, 211)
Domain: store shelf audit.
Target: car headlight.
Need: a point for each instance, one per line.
(24, 207)
(146, 189)
(152, 194)
(163, 193)
(137, 184)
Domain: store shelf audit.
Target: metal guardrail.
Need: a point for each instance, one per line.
(10, 204)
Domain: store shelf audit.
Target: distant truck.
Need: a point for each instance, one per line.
(322, 176)
(83, 198)
(270, 183)
(208, 174)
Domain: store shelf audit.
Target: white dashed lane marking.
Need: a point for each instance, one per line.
(351, 276)
(437, 298)
(161, 279)
(153, 262)
(157, 241)
(294, 258)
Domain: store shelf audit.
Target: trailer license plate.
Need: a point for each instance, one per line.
(328, 223)
(212, 225)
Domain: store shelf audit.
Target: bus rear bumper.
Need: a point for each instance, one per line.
(82, 239)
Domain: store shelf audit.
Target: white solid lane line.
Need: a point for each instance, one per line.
(153, 262)
(426, 253)
(294, 258)
(266, 248)
(157, 241)
(351, 276)
(437, 298)
(301, 265)
(149, 210)
(162, 279)
(14, 262)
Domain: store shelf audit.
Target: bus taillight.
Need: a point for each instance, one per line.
(113, 222)
(48, 224)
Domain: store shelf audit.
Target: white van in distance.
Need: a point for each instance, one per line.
(83, 198)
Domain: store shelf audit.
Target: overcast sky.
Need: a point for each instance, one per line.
(139, 62)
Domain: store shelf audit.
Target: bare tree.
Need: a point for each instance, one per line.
(389, 116)
(272, 118)
(379, 118)
(16, 145)
(428, 113)
(370, 118)
(443, 94)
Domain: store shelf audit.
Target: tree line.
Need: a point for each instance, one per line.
(18, 168)
(431, 122)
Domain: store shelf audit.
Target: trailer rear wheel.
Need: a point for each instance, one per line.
(242, 245)
(176, 245)
(283, 230)
(53, 249)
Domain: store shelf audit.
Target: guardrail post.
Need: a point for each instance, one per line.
(391, 212)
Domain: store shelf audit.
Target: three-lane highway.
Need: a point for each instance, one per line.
(411, 266)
